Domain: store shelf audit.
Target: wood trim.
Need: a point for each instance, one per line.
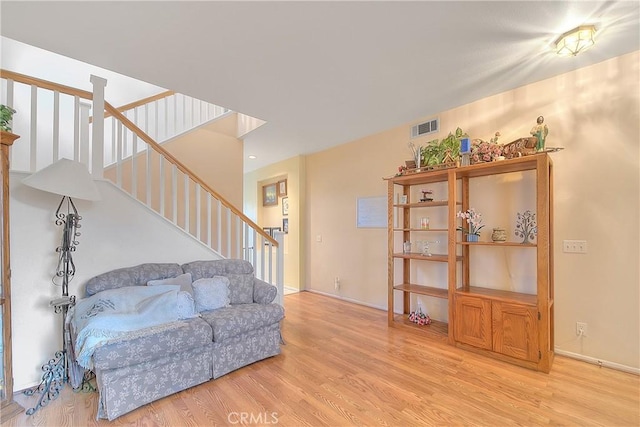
(390, 259)
(139, 103)
(184, 169)
(44, 84)
(9, 408)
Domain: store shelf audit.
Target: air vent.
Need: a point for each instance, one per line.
(425, 128)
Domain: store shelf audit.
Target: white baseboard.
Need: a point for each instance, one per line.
(377, 307)
(595, 361)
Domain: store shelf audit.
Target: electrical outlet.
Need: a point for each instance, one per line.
(581, 329)
(574, 246)
(336, 283)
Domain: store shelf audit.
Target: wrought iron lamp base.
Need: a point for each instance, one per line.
(53, 380)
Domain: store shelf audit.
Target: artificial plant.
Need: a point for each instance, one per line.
(6, 115)
(435, 151)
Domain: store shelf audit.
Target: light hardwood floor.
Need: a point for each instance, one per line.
(342, 366)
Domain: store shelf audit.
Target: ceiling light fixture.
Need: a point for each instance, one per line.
(251, 156)
(575, 41)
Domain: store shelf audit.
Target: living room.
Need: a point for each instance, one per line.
(591, 113)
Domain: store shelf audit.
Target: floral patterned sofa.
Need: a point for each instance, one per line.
(142, 366)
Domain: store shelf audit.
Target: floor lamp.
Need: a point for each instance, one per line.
(71, 180)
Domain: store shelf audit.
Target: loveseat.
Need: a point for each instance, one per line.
(136, 366)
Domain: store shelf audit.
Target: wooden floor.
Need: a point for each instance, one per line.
(342, 366)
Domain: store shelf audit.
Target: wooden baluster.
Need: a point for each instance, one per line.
(162, 189)
(198, 213)
(174, 193)
(148, 174)
(84, 134)
(209, 219)
(33, 134)
(56, 127)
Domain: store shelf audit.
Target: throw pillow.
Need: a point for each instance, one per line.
(186, 306)
(211, 293)
(183, 280)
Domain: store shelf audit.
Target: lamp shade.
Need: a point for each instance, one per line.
(67, 178)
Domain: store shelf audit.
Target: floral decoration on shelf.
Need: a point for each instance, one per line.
(419, 317)
(474, 219)
(483, 151)
(526, 226)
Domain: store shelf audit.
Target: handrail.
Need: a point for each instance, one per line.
(159, 149)
(44, 84)
(21, 78)
(139, 103)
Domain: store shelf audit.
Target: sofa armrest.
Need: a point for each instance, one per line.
(263, 292)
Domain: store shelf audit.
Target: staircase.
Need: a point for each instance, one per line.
(123, 145)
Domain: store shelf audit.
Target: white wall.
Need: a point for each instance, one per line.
(116, 232)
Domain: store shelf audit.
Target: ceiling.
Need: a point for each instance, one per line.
(325, 73)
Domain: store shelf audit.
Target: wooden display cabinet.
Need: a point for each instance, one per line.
(511, 326)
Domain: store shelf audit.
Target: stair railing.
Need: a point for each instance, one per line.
(166, 115)
(54, 120)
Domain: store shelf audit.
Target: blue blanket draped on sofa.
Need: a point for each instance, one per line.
(114, 314)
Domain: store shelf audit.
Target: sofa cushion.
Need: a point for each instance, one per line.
(131, 276)
(183, 280)
(238, 319)
(191, 333)
(211, 293)
(239, 273)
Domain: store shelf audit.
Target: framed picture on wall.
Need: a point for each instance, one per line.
(269, 195)
(282, 188)
(285, 206)
(285, 225)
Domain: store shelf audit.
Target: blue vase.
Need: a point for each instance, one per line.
(472, 237)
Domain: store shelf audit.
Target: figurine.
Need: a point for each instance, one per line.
(540, 131)
(425, 196)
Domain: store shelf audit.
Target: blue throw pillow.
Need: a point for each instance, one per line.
(211, 293)
(186, 306)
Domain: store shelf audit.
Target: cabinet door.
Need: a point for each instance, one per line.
(514, 330)
(472, 324)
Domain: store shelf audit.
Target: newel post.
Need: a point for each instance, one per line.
(97, 152)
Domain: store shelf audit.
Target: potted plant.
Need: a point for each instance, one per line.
(474, 219)
(6, 115)
(437, 151)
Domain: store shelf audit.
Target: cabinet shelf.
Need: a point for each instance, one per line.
(423, 290)
(516, 244)
(421, 229)
(417, 255)
(424, 204)
(499, 295)
(436, 328)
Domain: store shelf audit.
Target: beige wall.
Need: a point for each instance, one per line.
(293, 170)
(215, 155)
(594, 114)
